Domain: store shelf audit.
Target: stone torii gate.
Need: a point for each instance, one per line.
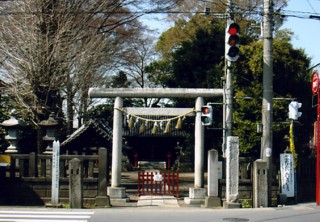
(118, 192)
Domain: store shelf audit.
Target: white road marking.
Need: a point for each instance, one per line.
(44, 216)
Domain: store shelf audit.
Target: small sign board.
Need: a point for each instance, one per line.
(158, 177)
(55, 173)
(315, 82)
(287, 174)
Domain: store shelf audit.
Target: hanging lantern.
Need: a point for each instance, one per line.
(143, 127)
(167, 128)
(179, 123)
(131, 122)
(155, 128)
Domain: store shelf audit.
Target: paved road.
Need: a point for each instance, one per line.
(158, 212)
(45, 215)
(298, 213)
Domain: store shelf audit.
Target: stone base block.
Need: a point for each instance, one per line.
(231, 205)
(196, 196)
(192, 201)
(50, 205)
(116, 192)
(11, 151)
(103, 201)
(197, 193)
(212, 202)
(120, 201)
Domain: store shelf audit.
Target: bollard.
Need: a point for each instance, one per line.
(75, 183)
(213, 200)
(260, 184)
(102, 199)
(232, 173)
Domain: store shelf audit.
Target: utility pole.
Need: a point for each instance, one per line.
(228, 91)
(231, 56)
(267, 109)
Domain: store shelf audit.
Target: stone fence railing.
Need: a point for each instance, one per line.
(28, 178)
(32, 165)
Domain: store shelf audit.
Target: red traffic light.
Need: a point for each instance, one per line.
(206, 115)
(205, 110)
(233, 29)
(232, 42)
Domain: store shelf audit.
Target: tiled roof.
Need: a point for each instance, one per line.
(97, 125)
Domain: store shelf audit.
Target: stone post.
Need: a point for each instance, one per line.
(32, 165)
(197, 194)
(103, 200)
(232, 173)
(55, 173)
(260, 183)
(212, 200)
(115, 191)
(75, 183)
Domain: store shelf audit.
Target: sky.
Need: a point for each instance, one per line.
(307, 31)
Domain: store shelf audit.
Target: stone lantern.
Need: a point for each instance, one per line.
(50, 125)
(12, 126)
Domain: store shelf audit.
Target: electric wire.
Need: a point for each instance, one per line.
(237, 9)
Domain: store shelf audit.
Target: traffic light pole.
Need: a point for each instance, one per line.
(318, 151)
(267, 109)
(228, 92)
(228, 103)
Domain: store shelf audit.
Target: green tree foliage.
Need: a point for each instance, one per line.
(192, 54)
(291, 81)
(193, 57)
(120, 80)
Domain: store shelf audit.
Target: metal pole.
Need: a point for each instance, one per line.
(224, 138)
(267, 111)
(318, 153)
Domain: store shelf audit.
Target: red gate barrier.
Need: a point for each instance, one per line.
(153, 183)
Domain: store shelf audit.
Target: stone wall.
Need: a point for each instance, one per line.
(37, 191)
(27, 180)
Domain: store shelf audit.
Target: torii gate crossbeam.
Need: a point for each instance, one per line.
(153, 92)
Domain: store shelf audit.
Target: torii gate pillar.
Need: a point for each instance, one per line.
(197, 193)
(115, 191)
(198, 147)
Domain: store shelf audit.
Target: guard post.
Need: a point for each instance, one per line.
(75, 183)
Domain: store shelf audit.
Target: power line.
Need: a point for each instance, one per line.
(311, 6)
(282, 13)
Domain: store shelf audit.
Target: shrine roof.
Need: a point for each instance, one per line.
(97, 125)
